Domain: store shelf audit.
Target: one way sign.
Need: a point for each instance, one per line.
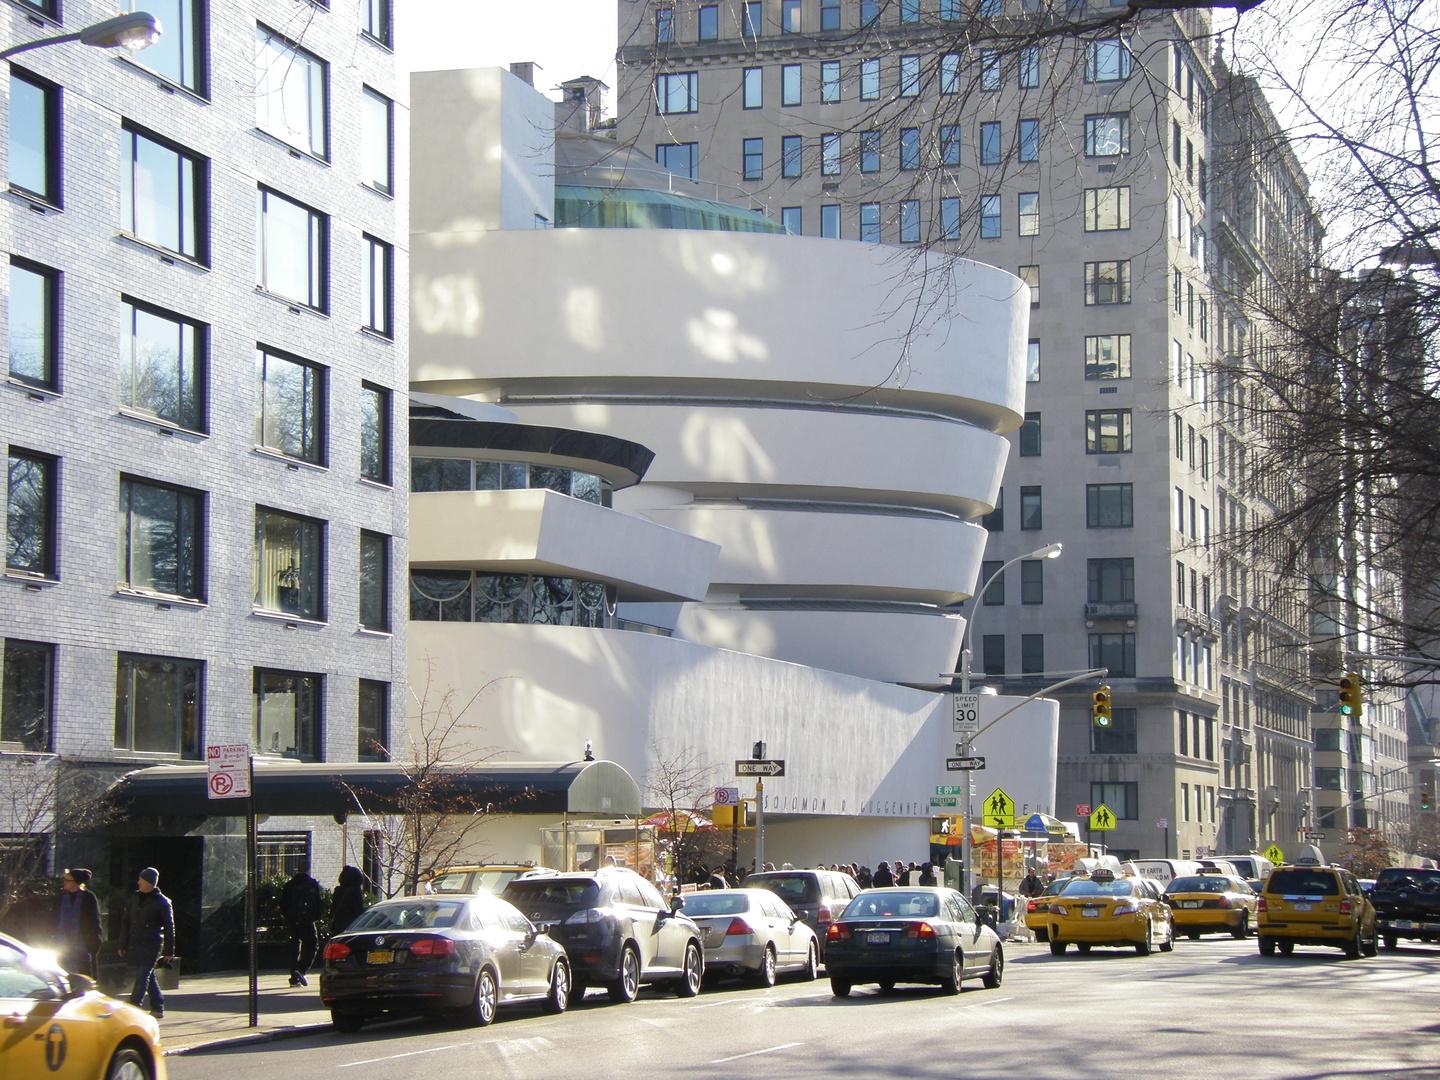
(772, 767)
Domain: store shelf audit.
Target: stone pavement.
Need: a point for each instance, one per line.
(210, 1010)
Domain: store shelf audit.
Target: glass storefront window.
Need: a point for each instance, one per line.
(464, 596)
(459, 474)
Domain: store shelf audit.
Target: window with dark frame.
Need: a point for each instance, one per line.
(989, 217)
(830, 221)
(161, 545)
(753, 158)
(1030, 435)
(665, 26)
(950, 218)
(790, 16)
(869, 80)
(950, 145)
(1030, 512)
(375, 433)
(34, 315)
(179, 55)
(708, 23)
(1115, 652)
(752, 18)
(279, 854)
(1121, 737)
(1032, 581)
(35, 133)
(158, 705)
(1107, 356)
(374, 581)
(1107, 431)
(994, 596)
(1032, 654)
(375, 20)
(31, 510)
(1029, 143)
(1107, 134)
(1107, 209)
(1123, 799)
(992, 655)
(287, 706)
(829, 155)
(1028, 206)
(293, 256)
(291, 95)
(1111, 581)
(909, 76)
(791, 156)
(290, 406)
(682, 159)
(1107, 61)
(373, 721)
(995, 520)
(754, 88)
(289, 564)
(829, 15)
(377, 141)
(909, 148)
(377, 289)
(1107, 282)
(910, 221)
(990, 150)
(1030, 68)
(870, 222)
(677, 93)
(27, 705)
(162, 194)
(790, 84)
(869, 151)
(1109, 506)
(162, 370)
(792, 220)
(830, 82)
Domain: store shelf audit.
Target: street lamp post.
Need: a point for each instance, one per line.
(1049, 551)
(133, 31)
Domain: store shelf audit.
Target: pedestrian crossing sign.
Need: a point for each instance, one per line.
(999, 810)
(1275, 855)
(1102, 819)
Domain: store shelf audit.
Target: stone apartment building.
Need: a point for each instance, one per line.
(1080, 160)
(204, 413)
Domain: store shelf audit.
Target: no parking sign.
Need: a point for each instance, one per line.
(228, 771)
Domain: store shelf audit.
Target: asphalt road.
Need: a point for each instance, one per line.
(1212, 1008)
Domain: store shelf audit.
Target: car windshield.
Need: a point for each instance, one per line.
(697, 904)
(888, 903)
(1054, 888)
(1403, 878)
(1303, 883)
(409, 915)
(529, 893)
(792, 888)
(1086, 887)
(1199, 884)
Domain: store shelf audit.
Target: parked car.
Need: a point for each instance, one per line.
(484, 877)
(1107, 910)
(1212, 903)
(817, 896)
(917, 935)
(752, 932)
(462, 955)
(1315, 905)
(1251, 867)
(1407, 905)
(617, 930)
(45, 1008)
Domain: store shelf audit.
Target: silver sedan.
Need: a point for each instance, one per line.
(752, 933)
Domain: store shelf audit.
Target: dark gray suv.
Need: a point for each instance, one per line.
(817, 896)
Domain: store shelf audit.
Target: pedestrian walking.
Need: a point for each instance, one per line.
(882, 878)
(300, 907)
(716, 880)
(1031, 885)
(148, 931)
(348, 900)
(927, 875)
(863, 878)
(77, 924)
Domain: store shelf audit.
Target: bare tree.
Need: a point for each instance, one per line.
(682, 785)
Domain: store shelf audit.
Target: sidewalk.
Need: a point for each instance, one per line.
(213, 1009)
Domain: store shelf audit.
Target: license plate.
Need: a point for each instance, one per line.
(1404, 924)
(878, 937)
(1089, 913)
(383, 956)
(1303, 907)
(1190, 904)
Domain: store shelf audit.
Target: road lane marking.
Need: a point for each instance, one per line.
(412, 1053)
(992, 1001)
(754, 1053)
(716, 1004)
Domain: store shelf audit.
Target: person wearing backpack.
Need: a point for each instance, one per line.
(300, 907)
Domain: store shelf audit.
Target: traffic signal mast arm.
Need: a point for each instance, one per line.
(1084, 676)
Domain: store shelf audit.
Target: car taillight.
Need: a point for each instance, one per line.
(1126, 909)
(922, 930)
(1345, 907)
(336, 950)
(1224, 902)
(1260, 904)
(1058, 909)
(432, 946)
(823, 916)
(587, 915)
(837, 932)
(738, 928)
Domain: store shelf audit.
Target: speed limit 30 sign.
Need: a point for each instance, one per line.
(967, 713)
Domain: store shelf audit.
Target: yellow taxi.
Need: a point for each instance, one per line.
(1315, 905)
(58, 1025)
(1105, 909)
(1037, 910)
(1212, 903)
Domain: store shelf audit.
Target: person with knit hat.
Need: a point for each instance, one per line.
(77, 924)
(148, 932)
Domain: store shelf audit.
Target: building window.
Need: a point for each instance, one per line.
(1121, 737)
(989, 217)
(792, 220)
(161, 372)
(1032, 654)
(1184, 802)
(279, 854)
(830, 82)
(1107, 61)
(909, 148)
(1107, 134)
(160, 541)
(374, 581)
(1029, 140)
(1109, 506)
(910, 221)
(1030, 508)
(990, 77)
(754, 88)
(378, 279)
(375, 433)
(790, 84)
(790, 16)
(26, 696)
(1031, 276)
(950, 218)
(683, 159)
(293, 251)
(869, 12)
(909, 76)
(754, 158)
(751, 18)
(375, 20)
(287, 714)
(1032, 362)
(829, 155)
(992, 655)
(665, 26)
(1112, 581)
(791, 160)
(1029, 207)
(35, 136)
(290, 97)
(870, 222)
(373, 721)
(34, 323)
(909, 11)
(289, 564)
(1032, 581)
(950, 73)
(30, 514)
(179, 55)
(289, 415)
(465, 596)
(1030, 68)
(1030, 435)
(1107, 209)
(1115, 652)
(1107, 356)
(994, 595)
(869, 80)
(830, 15)
(1107, 282)
(990, 143)
(830, 221)
(158, 705)
(869, 151)
(1107, 431)
(995, 520)
(950, 145)
(377, 139)
(709, 28)
(677, 93)
(162, 195)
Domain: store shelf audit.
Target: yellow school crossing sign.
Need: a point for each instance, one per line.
(1102, 819)
(1275, 855)
(999, 810)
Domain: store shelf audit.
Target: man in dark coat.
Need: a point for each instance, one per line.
(348, 901)
(882, 878)
(300, 907)
(149, 936)
(77, 926)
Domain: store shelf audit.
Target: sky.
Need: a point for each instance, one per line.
(566, 38)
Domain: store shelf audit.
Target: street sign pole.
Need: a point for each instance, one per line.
(759, 823)
(250, 900)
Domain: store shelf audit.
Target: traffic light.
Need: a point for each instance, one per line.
(1424, 798)
(1350, 692)
(1101, 709)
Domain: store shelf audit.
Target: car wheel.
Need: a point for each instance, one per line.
(1168, 945)
(1355, 947)
(1392, 942)
(577, 992)
(992, 978)
(1082, 947)
(1287, 948)
(1144, 948)
(950, 982)
(1193, 935)
(346, 1020)
(1371, 947)
(812, 964)
(127, 1064)
(1057, 948)
(627, 986)
(1241, 932)
(840, 987)
(558, 999)
(487, 999)
(1267, 946)
(886, 985)
(765, 976)
(694, 972)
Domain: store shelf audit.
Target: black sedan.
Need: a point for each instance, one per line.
(917, 935)
(462, 956)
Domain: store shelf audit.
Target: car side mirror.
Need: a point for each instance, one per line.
(676, 903)
(80, 985)
(796, 917)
